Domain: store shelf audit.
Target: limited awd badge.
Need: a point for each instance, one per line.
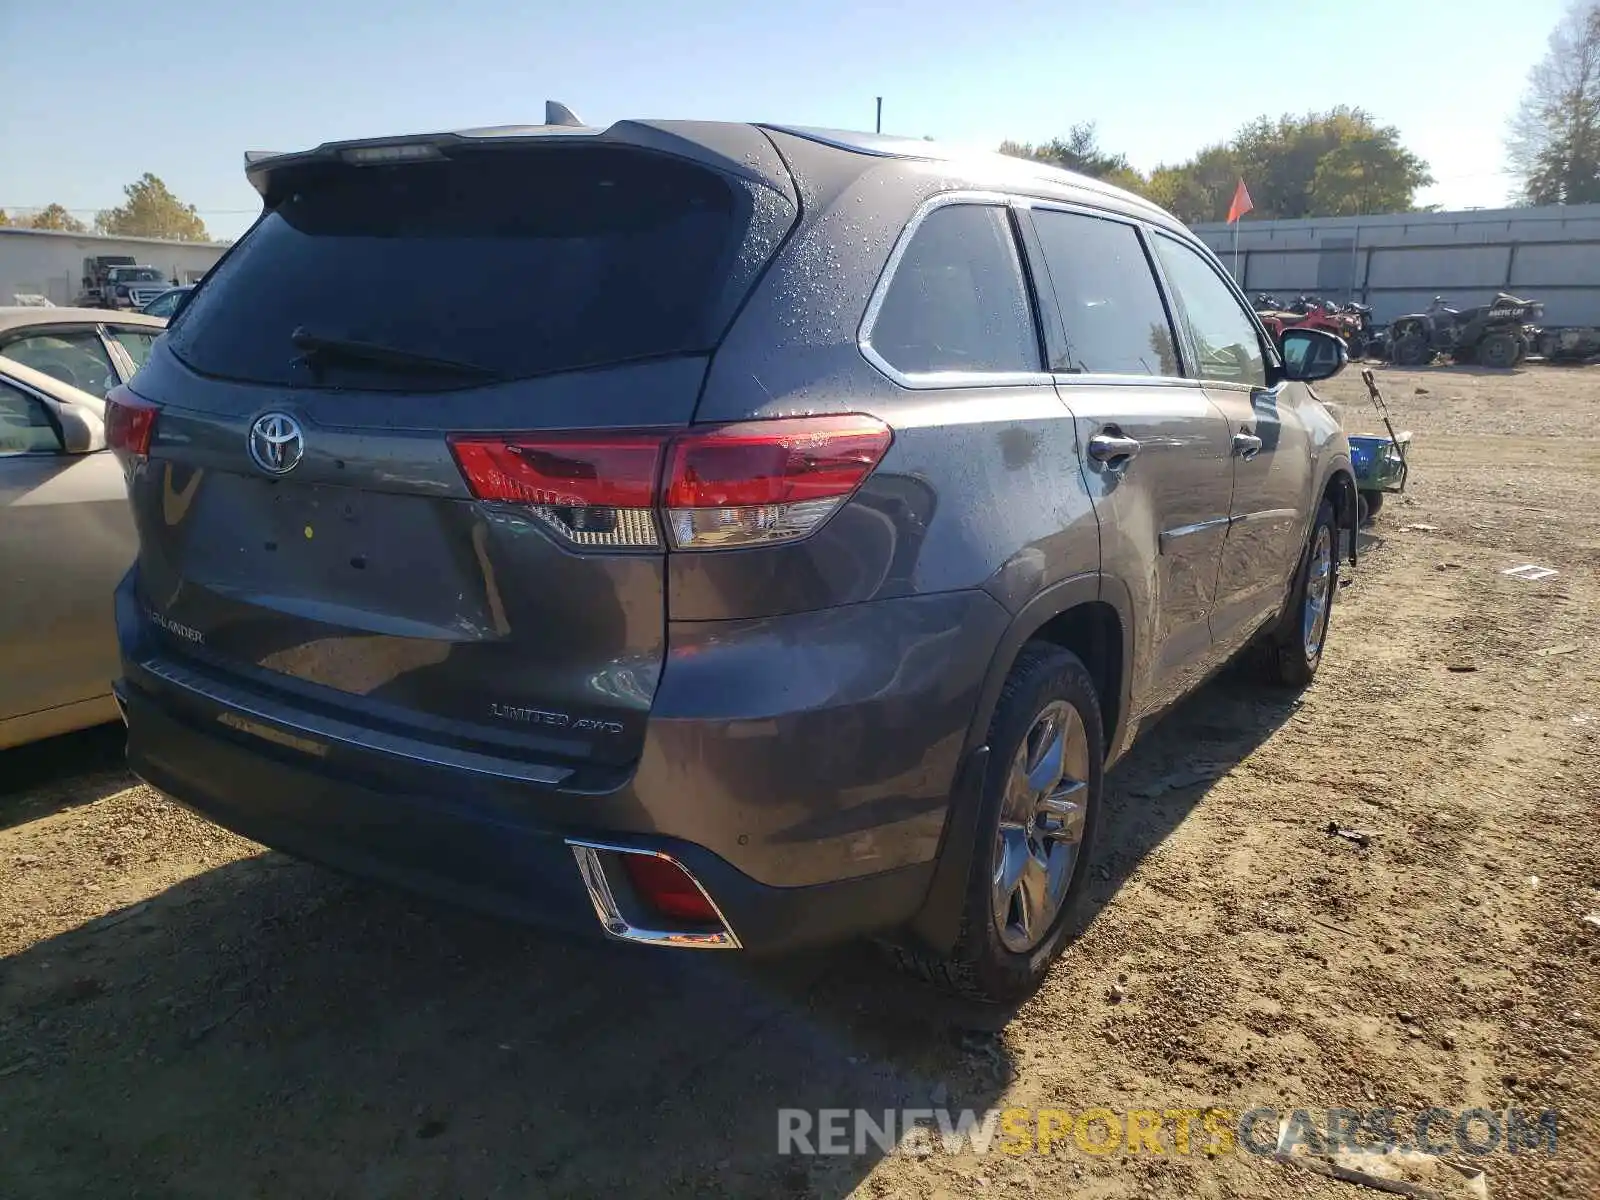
(277, 443)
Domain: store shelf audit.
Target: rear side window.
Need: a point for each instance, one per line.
(1111, 310)
(1226, 345)
(957, 301)
(136, 342)
(515, 262)
(74, 356)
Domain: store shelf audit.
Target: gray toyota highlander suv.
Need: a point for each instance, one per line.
(746, 536)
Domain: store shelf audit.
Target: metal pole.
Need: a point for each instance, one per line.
(879, 128)
(1236, 278)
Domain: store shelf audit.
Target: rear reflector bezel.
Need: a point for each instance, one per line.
(713, 487)
(624, 912)
(663, 885)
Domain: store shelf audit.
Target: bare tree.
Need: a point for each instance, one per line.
(1554, 146)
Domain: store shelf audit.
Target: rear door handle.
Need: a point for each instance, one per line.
(1246, 445)
(1112, 448)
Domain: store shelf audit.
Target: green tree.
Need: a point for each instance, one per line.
(1200, 189)
(1337, 163)
(53, 216)
(150, 210)
(4, 220)
(1080, 151)
(1554, 145)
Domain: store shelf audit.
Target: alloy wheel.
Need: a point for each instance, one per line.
(1319, 590)
(1042, 814)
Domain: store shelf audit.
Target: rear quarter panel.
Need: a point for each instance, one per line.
(980, 487)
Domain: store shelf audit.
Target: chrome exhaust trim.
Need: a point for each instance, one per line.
(597, 881)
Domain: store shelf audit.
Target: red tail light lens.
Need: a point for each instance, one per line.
(663, 885)
(723, 485)
(593, 489)
(130, 423)
(766, 481)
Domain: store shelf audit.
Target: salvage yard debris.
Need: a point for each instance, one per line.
(1530, 572)
(1178, 780)
(1400, 1172)
(1361, 837)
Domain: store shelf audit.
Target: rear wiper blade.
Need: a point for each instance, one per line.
(318, 348)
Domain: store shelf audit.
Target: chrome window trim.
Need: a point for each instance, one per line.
(595, 881)
(1093, 380)
(928, 380)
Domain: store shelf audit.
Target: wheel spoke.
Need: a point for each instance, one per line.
(1048, 753)
(1036, 907)
(1064, 812)
(1011, 852)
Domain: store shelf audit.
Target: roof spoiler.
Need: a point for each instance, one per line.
(739, 150)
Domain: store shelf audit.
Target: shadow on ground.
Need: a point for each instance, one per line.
(61, 772)
(269, 1029)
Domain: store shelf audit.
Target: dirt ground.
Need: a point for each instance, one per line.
(182, 1014)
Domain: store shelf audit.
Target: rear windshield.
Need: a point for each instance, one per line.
(517, 263)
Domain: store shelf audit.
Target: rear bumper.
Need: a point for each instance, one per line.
(805, 824)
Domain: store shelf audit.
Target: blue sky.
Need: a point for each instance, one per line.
(207, 81)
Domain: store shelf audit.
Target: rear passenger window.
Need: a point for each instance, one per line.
(1224, 337)
(957, 302)
(77, 357)
(1114, 320)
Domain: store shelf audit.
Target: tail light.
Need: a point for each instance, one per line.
(748, 484)
(667, 888)
(594, 490)
(130, 423)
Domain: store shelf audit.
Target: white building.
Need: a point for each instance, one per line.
(46, 262)
(1399, 262)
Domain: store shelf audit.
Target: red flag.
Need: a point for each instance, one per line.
(1241, 203)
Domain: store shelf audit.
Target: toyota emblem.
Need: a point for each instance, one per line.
(277, 443)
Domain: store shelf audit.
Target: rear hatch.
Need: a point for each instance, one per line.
(320, 515)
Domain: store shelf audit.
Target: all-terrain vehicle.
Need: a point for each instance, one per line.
(1492, 335)
(1352, 322)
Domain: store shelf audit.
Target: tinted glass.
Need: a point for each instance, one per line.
(1114, 320)
(957, 301)
(163, 304)
(1223, 336)
(77, 357)
(519, 263)
(25, 425)
(136, 342)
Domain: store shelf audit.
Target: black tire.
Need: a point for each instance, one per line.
(1499, 350)
(1411, 350)
(1284, 658)
(1371, 504)
(981, 966)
